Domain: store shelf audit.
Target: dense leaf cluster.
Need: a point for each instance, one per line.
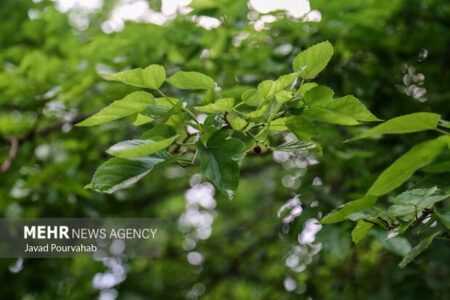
(278, 115)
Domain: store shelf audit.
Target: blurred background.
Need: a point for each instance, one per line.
(265, 244)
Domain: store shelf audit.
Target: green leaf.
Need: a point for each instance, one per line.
(258, 112)
(154, 76)
(269, 88)
(295, 107)
(139, 148)
(151, 77)
(119, 173)
(360, 231)
(296, 146)
(444, 123)
(162, 107)
(236, 122)
(203, 4)
(278, 125)
(422, 246)
(443, 215)
(160, 130)
(283, 82)
(440, 165)
(131, 104)
(251, 96)
(397, 245)
(217, 161)
(346, 110)
(413, 201)
(403, 124)
(209, 97)
(177, 121)
(283, 96)
(318, 94)
(404, 167)
(313, 60)
(212, 124)
(213, 121)
(265, 88)
(220, 106)
(191, 81)
(306, 87)
(141, 120)
(302, 128)
(16, 123)
(349, 208)
(246, 139)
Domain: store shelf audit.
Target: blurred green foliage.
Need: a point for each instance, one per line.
(390, 54)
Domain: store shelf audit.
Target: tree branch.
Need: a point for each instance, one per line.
(11, 156)
(51, 128)
(15, 141)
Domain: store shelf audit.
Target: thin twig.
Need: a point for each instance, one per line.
(177, 147)
(11, 156)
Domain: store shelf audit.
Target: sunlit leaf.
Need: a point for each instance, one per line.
(141, 120)
(220, 106)
(162, 107)
(348, 209)
(360, 231)
(236, 122)
(402, 169)
(119, 173)
(306, 87)
(422, 246)
(283, 82)
(295, 146)
(131, 104)
(403, 124)
(258, 112)
(278, 124)
(191, 81)
(160, 130)
(346, 110)
(265, 88)
(302, 128)
(413, 201)
(313, 60)
(251, 96)
(317, 95)
(151, 77)
(283, 96)
(217, 162)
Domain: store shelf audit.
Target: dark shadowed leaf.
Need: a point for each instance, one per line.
(217, 161)
(422, 246)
